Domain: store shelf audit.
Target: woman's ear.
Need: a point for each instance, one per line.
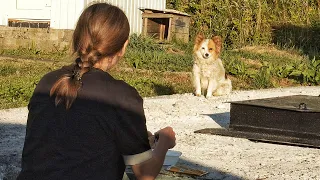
(123, 50)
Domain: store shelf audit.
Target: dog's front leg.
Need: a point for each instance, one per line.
(212, 86)
(196, 80)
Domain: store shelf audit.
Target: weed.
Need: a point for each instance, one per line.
(263, 78)
(6, 70)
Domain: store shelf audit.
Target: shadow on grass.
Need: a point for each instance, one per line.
(306, 39)
(163, 90)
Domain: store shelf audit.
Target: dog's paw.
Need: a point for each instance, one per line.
(198, 93)
(208, 96)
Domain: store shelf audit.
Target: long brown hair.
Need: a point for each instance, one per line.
(101, 32)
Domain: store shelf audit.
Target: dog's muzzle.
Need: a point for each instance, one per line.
(206, 55)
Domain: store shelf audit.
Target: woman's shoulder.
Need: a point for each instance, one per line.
(50, 78)
(115, 85)
(108, 89)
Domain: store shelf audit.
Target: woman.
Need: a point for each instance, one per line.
(84, 124)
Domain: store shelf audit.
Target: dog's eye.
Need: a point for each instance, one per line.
(202, 47)
(210, 49)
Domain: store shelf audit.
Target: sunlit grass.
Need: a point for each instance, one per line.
(156, 69)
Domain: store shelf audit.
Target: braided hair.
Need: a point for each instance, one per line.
(101, 32)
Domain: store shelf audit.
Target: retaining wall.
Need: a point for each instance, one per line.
(40, 38)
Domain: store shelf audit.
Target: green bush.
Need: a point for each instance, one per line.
(291, 23)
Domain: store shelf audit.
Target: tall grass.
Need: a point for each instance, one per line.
(146, 53)
(288, 23)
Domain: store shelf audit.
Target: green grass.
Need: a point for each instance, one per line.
(145, 53)
(18, 78)
(150, 83)
(162, 69)
(34, 53)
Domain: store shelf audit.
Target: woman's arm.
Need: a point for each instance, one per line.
(151, 168)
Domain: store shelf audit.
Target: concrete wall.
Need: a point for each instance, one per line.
(39, 38)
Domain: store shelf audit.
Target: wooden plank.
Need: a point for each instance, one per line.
(156, 15)
(162, 31)
(148, 11)
(145, 25)
(169, 38)
(153, 26)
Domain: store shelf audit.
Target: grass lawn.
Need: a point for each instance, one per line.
(164, 69)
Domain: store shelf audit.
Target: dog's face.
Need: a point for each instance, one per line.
(207, 48)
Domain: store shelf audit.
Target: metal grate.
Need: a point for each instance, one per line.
(28, 23)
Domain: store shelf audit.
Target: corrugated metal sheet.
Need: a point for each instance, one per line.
(132, 10)
(63, 14)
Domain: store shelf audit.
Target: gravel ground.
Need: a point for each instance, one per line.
(223, 157)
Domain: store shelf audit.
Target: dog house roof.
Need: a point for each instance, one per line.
(166, 11)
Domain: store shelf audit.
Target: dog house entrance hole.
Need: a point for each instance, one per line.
(158, 28)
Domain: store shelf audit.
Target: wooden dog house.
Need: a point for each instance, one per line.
(166, 25)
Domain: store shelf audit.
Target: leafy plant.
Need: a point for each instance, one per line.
(308, 73)
(236, 67)
(263, 78)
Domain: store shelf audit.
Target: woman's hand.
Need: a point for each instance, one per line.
(166, 137)
(152, 140)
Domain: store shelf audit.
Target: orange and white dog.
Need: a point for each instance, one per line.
(208, 71)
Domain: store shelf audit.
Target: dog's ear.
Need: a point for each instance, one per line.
(197, 41)
(199, 38)
(218, 43)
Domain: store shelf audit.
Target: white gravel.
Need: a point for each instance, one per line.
(222, 157)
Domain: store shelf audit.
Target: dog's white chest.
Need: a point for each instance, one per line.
(208, 70)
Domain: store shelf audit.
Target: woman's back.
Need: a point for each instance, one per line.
(85, 135)
(82, 123)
